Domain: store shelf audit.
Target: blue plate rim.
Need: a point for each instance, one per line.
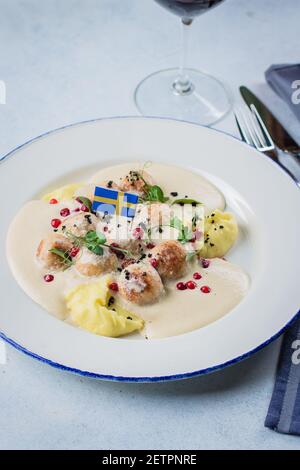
(116, 378)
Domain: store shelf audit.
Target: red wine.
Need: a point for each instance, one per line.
(188, 8)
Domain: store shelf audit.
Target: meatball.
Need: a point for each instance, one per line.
(136, 182)
(90, 264)
(80, 224)
(51, 260)
(140, 283)
(170, 259)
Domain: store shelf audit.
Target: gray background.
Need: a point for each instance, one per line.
(71, 60)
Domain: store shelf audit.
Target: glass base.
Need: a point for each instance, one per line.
(206, 102)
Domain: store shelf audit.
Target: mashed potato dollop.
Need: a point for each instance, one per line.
(88, 308)
(220, 233)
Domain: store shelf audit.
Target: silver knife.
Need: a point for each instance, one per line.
(279, 134)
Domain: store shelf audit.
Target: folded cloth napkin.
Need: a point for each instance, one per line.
(285, 81)
(284, 410)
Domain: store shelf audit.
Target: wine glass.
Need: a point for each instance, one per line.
(184, 93)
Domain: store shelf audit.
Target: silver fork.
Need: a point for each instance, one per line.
(254, 132)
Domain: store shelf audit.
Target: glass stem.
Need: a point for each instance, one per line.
(182, 85)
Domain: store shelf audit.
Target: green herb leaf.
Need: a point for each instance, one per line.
(186, 201)
(155, 193)
(96, 249)
(94, 237)
(185, 234)
(86, 202)
(64, 255)
(152, 194)
(177, 223)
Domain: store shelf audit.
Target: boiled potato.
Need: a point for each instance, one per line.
(220, 233)
(88, 308)
(62, 194)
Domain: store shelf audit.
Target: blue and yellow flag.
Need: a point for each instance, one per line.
(111, 201)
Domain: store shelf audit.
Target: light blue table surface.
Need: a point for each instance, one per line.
(70, 60)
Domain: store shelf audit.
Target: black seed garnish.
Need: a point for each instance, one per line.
(160, 230)
(111, 301)
(221, 226)
(127, 275)
(55, 230)
(109, 184)
(174, 193)
(212, 244)
(88, 218)
(129, 318)
(63, 227)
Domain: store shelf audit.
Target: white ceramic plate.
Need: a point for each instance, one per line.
(265, 199)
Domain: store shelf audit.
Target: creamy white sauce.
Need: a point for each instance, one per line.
(177, 311)
(183, 311)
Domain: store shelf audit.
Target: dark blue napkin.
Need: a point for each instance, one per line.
(284, 410)
(285, 81)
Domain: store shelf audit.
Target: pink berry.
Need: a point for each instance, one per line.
(65, 212)
(181, 286)
(114, 286)
(205, 289)
(191, 285)
(154, 263)
(83, 208)
(53, 201)
(197, 276)
(74, 251)
(205, 263)
(55, 223)
(48, 278)
(137, 233)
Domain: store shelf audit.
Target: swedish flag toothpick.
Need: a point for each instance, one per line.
(111, 201)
